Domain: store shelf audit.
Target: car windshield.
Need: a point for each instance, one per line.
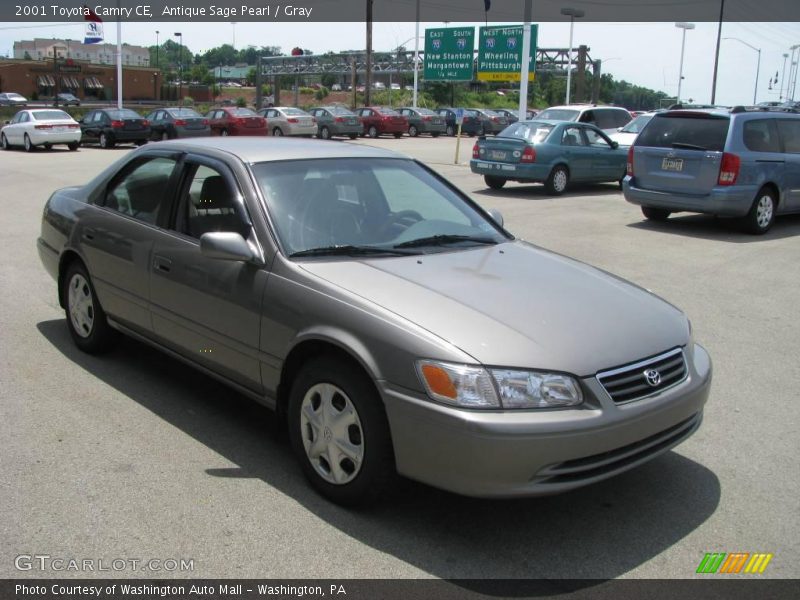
(637, 124)
(559, 114)
(380, 206)
(123, 114)
(243, 112)
(184, 113)
(527, 130)
(340, 110)
(697, 131)
(51, 115)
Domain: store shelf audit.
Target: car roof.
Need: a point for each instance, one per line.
(260, 149)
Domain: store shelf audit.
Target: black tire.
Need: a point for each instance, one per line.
(47, 146)
(141, 142)
(557, 181)
(413, 131)
(481, 130)
(761, 216)
(450, 131)
(372, 131)
(4, 142)
(353, 136)
(435, 134)
(224, 133)
(376, 472)
(97, 336)
(106, 141)
(398, 136)
(29, 147)
(277, 132)
(164, 136)
(494, 182)
(655, 214)
(73, 146)
(325, 133)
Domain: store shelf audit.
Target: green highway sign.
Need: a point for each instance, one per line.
(448, 54)
(500, 53)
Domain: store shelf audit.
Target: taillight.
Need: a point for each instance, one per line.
(475, 151)
(117, 124)
(495, 119)
(180, 122)
(205, 121)
(426, 118)
(145, 122)
(339, 120)
(313, 119)
(42, 126)
(73, 126)
(729, 169)
(528, 155)
(292, 120)
(629, 164)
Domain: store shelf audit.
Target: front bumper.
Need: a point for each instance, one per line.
(533, 453)
(727, 201)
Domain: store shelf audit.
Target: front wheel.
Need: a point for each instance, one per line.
(325, 133)
(277, 132)
(86, 319)
(655, 214)
(762, 214)
(557, 180)
(398, 135)
(494, 182)
(4, 142)
(435, 134)
(164, 136)
(412, 131)
(353, 136)
(224, 133)
(73, 146)
(339, 432)
(372, 131)
(105, 141)
(29, 147)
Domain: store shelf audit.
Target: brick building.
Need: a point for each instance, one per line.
(103, 54)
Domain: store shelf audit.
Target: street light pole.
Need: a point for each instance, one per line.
(683, 26)
(157, 32)
(179, 35)
(572, 13)
(783, 75)
(758, 65)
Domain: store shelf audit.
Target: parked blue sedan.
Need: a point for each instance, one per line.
(555, 153)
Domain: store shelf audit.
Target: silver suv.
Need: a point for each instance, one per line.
(739, 162)
(607, 118)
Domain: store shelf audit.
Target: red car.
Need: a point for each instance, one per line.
(236, 121)
(381, 119)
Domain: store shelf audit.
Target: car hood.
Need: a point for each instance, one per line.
(517, 305)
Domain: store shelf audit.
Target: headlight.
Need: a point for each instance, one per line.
(476, 387)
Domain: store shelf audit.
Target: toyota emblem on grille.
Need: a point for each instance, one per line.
(653, 377)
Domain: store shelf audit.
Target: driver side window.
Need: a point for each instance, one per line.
(140, 193)
(209, 203)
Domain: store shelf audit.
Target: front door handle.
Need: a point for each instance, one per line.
(162, 264)
(88, 234)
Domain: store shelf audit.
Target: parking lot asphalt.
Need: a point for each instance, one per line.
(135, 456)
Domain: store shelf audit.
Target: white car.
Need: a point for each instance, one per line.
(41, 127)
(625, 136)
(288, 120)
(607, 118)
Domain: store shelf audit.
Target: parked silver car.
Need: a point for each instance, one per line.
(395, 323)
(288, 120)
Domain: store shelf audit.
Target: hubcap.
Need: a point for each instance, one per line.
(332, 435)
(165, 136)
(224, 132)
(560, 180)
(277, 132)
(764, 211)
(325, 133)
(103, 140)
(80, 305)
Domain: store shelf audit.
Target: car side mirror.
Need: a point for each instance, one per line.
(226, 245)
(615, 145)
(496, 215)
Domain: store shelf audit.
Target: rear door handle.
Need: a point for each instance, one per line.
(162, 264)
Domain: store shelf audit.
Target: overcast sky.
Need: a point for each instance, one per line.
(647, 54)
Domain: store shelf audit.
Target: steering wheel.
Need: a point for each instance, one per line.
(401, 219)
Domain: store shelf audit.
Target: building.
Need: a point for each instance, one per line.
(101, 54)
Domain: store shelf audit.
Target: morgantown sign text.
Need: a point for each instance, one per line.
(449, 54)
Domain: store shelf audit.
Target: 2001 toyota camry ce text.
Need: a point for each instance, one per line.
(396, 324)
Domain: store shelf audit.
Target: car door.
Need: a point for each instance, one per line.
(13, 131)
(117, 230)
(789, 132)
(86, 124)
(208, 309)
(608, 164)
(576, 153)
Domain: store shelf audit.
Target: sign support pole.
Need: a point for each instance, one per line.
(526, 50)
(458, 142)
(416, 59)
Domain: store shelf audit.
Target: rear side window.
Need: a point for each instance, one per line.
(789, 131)
(761, 135)
(683, 131)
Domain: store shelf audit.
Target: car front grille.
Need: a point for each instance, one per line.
(644, 378)
(586, 469)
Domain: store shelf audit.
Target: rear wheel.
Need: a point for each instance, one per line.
(762, 214)
(86, 319)
(48, 146)
(339, 431)
(353, 136)
(412, 131)
(435, 134)
(398, 135)
(277, 132)
(224, 133)
(325, 133)
(494, 182)
(73, 146)
(141, 142)
(655, 214)
(29, 147)
(164, 136)
(106, 141)
(372, 131)
(557, 181)
(481, 130)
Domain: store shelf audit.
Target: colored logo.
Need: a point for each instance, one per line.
(734, 563)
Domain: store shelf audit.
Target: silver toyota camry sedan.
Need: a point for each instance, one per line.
(397, 326)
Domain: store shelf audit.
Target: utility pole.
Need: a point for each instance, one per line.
(716, 56)
(368, 75)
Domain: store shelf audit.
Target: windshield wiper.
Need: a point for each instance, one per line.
(441, 240)
(348, 250)
(687, 146)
